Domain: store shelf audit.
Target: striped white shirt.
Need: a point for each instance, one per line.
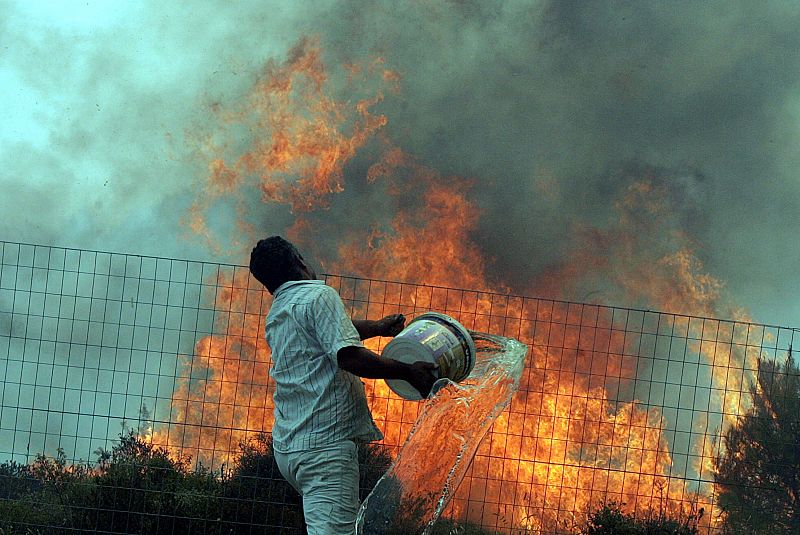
(316, 402)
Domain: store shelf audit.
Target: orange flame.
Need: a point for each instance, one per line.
(301, 139)
(565, 445)
(224, 395)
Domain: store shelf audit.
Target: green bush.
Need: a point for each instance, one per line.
(138, 487)
(135, 489)
(256, 494)
(611, 520)
(374, 461)
(445, 526)
(41, 495)
(23, 512)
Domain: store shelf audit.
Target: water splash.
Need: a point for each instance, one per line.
(410, 497)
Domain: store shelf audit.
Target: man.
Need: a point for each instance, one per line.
(321, 410)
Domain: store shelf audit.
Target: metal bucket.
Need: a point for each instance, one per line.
(435, 338)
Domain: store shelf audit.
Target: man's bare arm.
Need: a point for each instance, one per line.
(386, 326)
(364, 363)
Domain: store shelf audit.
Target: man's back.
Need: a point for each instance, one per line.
(316, 402)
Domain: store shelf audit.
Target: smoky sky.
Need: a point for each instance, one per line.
(552, 109)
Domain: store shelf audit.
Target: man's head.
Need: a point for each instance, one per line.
(274, 261)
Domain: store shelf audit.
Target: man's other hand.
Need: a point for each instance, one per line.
(422, 375)
(391, 325)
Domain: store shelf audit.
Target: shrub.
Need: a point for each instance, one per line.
(256, 494)
(611, 520)
(138, 487)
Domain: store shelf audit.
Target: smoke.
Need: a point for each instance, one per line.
(106, 94)
(552, 110)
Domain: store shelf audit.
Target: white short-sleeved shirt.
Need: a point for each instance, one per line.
(316, 402)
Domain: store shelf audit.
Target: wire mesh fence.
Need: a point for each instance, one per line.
(136, 397)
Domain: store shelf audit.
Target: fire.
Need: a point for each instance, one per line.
(224, 395)
(296, 131)
(433, 239)
(567, 443)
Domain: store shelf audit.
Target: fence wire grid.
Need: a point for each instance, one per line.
(135, 397)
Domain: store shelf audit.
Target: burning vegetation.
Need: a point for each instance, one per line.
(580, 432)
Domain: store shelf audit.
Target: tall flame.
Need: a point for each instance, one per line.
(567, 442)
(224, 396)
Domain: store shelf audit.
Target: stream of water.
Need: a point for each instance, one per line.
(409, 498)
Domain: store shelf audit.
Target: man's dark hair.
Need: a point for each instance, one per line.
(274, 261)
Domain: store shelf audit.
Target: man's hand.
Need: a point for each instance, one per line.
(391, 325)
(422, 375)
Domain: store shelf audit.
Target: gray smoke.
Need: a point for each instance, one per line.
(553, 108)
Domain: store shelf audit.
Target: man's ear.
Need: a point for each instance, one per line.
(303, 267)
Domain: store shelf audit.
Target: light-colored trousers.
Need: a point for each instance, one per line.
(327, 479)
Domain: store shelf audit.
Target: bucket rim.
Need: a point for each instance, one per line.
(459, 330)
(398, 386)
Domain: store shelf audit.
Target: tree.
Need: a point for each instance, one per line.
(758, 473)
